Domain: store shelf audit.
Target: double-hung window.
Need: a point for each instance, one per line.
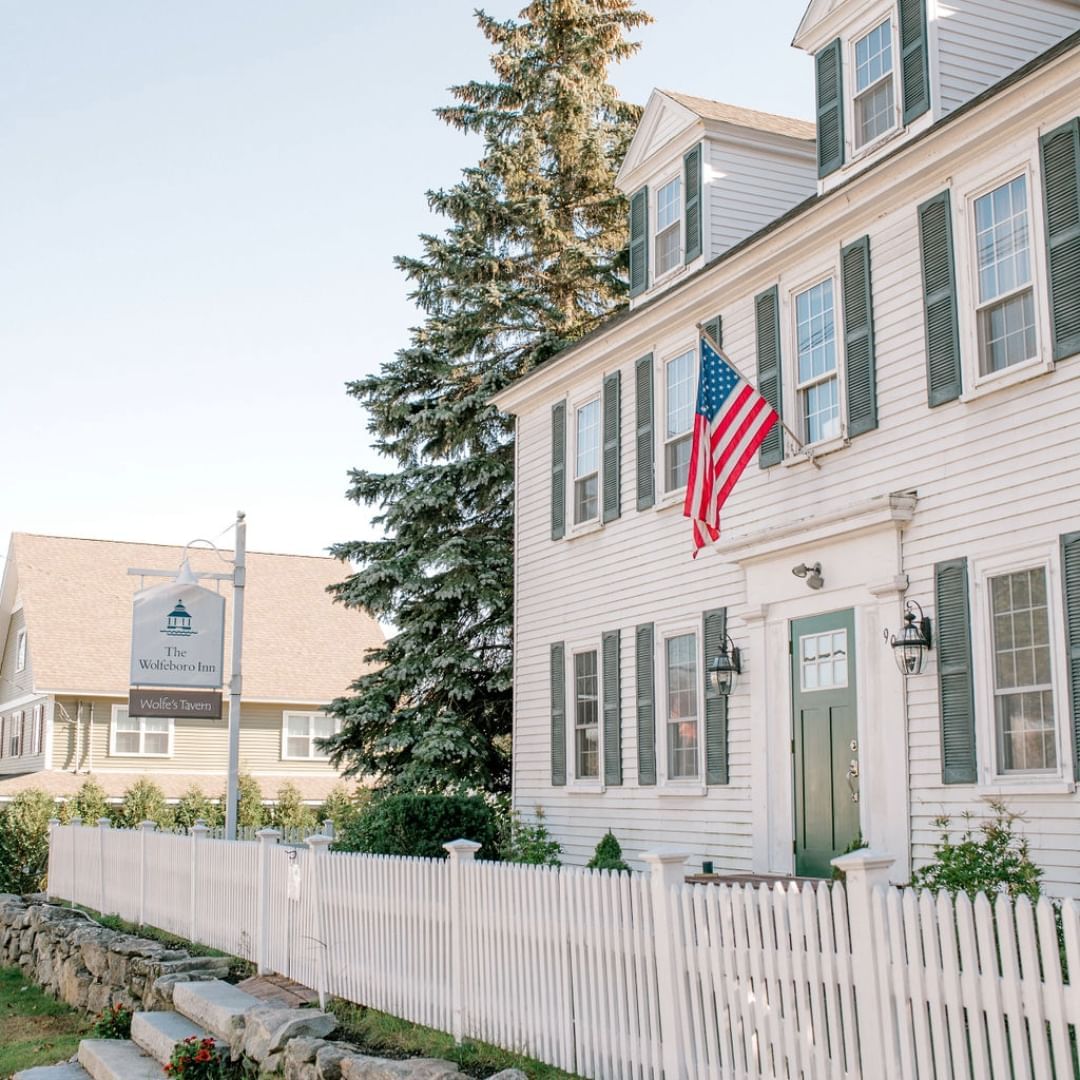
(586, 716)
(37, 729)
(1023, 679)
(15, 745)
(20, 651)
(817, 377)
(875, 97)
(1006, 298)
(679, 389)
(587, 462)
(302, 732)
(680, 661)
(141, 736)
(668, 244)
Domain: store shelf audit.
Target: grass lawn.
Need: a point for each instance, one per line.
(34, 1029)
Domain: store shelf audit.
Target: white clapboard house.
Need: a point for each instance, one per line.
(902, 281)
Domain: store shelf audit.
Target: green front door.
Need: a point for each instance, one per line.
(825, 744)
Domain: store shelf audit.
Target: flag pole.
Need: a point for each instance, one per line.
(808, 451)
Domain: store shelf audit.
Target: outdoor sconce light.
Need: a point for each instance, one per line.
(812, 574)
(913, 642)
(724, 667)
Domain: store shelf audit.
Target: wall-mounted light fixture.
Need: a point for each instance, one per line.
(811, 573)
(724, 667)
(912, 644)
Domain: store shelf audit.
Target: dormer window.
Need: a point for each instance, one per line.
(668, 224)
(875, 98)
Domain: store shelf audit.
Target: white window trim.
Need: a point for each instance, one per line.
(17, 723)
(585, 397)
(592, 784)
(113, 752)
(665, 783)
(967, 281)
(992, 781)
(311, 715)
(654, 210)
(20, 651)
(667, 496)
(884, 13)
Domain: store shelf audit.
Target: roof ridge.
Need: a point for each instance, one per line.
(158, 544)
(679, 94)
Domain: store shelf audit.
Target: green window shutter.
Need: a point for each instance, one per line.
(1061, 192)
(767, 316)
(914, 58)
(646, 450)
(957, 699)
(639, 241)
(1070, 573)
(558, 470)
(830, 109)
(558, 714)
(692, 184)
(715, 329)
(645, 676)
(612, 709)
(716, 705)
(943, 375)
(612, 447)
(860, 369)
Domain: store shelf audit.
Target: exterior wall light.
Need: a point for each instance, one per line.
(912, 644)
(811, 573)
(724, 667)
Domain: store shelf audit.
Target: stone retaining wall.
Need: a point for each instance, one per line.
(90, 967)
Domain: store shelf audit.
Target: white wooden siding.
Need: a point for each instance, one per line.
(986, 471)
(982, 41)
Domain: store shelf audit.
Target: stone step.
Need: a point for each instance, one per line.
(214, 1005)
(117, 1059)
(65, 1070)
(158, 1032)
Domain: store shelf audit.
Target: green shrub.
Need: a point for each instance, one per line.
(289, 812)
(24, 842)
(250, 812)
(992, 859)
(608, 854)
(196, 806)
(528, 842)
(90, 802)
(114, 1023)
(420, 825)
(143, 801)
(342, 808)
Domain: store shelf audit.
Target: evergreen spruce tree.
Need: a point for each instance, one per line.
(532, 258)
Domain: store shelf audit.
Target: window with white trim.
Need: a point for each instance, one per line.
(37, 735)
(586, 716)
(139, 736)
(668, 241)
(301, 732)
(817, 376)
(20, 651)
(681, 707)
(1020, 640)
(875, 95)
(680, 387)
(1006, 296)
(15, 734)
(587, 462)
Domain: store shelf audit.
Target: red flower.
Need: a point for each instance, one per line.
(203, 1055)
(168, 1068)
(209, 1043)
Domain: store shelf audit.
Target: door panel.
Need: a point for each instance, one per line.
(825, 729)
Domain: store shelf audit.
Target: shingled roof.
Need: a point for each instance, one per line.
(747, 118)
(299, 646)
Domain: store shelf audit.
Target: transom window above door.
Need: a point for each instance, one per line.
(302, 730)
(668, 226)
(875, 98)
(817, 380)
(1006, 308)
(1023, 679)
(680, 385)
(823, 660)
(586, 716)
(587, 462)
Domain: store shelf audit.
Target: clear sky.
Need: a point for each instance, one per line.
(200, 205)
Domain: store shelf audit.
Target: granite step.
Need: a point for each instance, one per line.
(117, 1059)
(213, 1005)
(64, 1070)
(158, 1032)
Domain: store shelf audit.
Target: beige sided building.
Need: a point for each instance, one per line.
(65, 626)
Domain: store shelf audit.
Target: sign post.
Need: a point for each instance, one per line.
(232, 795)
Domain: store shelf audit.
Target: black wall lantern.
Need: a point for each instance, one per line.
(724, 667)
(913, 642)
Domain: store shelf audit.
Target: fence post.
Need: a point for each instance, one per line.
(267, 838)
(328, 828)
(76, 824)
(864, 871)
(53, 870)
(103, 824)
(198, 833)
(666, 870)
(460, 851)
(144, 828)
(317, 847)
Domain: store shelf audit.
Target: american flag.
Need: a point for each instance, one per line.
(730, 423)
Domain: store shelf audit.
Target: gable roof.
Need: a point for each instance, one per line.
(299, 646)
(747, 118)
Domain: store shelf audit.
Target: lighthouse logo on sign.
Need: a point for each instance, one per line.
(179, 622)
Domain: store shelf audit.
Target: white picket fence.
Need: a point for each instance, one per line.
(623, 975)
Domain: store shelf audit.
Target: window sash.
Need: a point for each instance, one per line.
(679, 403)
(586, 716)
(681, 707)
(668, 237)
(299, 732)
(20, 652)
(817, 370)
(140, 736)
(1003, 243)
(883, 50)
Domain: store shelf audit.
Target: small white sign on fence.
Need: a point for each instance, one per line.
(292, 886)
